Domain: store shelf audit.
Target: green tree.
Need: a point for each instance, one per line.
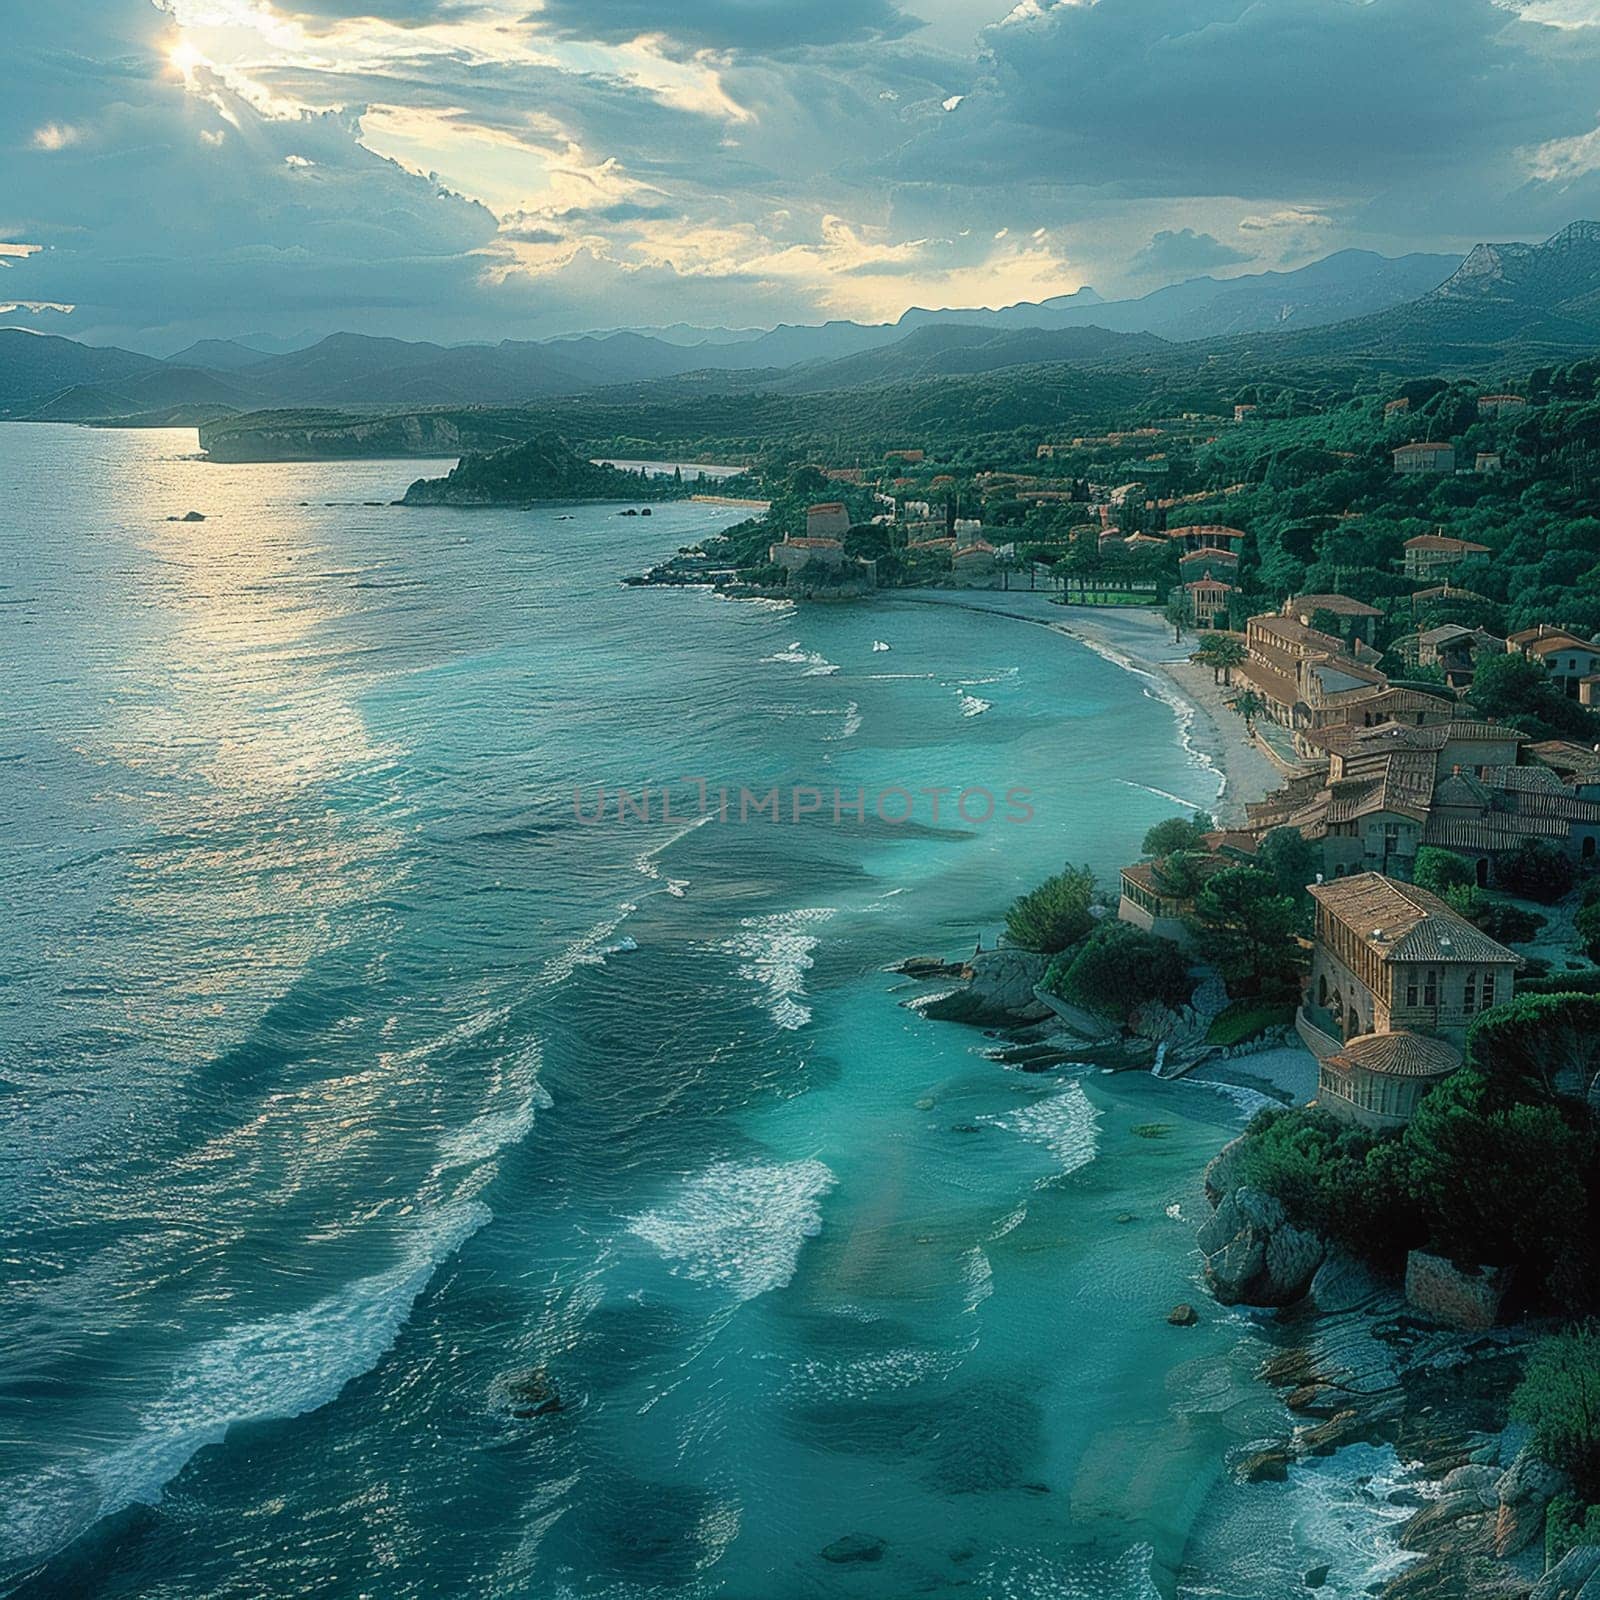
(1291, 858)
(1246, 926)
(1439, 871)
(1121, 968)
(1054, 916)
(1542, 1045)
(1559, 1401)
(1178, 617)
(1178, 833)
(1249, 705)
(1222, 652)
(1503, 1183)
(1511, 688)
(1536, 871)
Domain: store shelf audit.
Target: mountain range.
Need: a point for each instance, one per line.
(1501, 301)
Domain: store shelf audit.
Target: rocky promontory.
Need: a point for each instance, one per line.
(537, 471)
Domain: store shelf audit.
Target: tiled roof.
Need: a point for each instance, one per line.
(1566, 755)
(1400, 922)
(803, 543)
(1554, 643)
(1440, 541)
(1491, 834)
(1422, 449)
(1401, 1054)
(1340, 604)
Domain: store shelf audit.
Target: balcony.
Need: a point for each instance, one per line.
(1318, 1031)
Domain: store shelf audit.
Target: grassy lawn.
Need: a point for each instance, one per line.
(1248, 1019)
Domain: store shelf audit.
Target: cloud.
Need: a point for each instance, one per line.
(1174, 252)
(1234, 98)
(55, 136)
(766, 25)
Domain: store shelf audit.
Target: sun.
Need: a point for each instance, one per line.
(184, 59)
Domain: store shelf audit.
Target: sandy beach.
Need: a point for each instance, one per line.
(1139, 639)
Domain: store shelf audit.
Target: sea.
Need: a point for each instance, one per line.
(430, 1166)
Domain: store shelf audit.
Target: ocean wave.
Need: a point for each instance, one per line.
(816, 664)
(979, 1275)
(971, 705)
(1065, 1122)
(279, 1367)
(514, 1100)
(1158, 687)
(588, 950)
(775, 952)
(849, 728)
(741, 1224)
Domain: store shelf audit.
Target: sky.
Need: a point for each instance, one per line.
(487, 169)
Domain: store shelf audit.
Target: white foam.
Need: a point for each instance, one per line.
(741, 1224)
(277, 1367)
(816, 664)
(1065, 1122)
(588, 950)
(851, 725)
(979, 1274)
(879, 645)
(775, 952)
(971, 705)
(514, 1099)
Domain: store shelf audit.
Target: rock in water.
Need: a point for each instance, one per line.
(1263, 1466)
(1254, 1254)
(1000, 991)
(1317, 1576)
(1183, 1315)
(532, 1394)
(855, 1547)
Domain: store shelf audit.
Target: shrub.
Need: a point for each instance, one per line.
(1122, 968)
(1559, 1400)
(1535, 870)
(1508, 923)
(1587, 923)
(1247, 1019)
(1567, 1524)
(1439, 871)
(1540, 1046)
(1178, 833)
(1054, 916)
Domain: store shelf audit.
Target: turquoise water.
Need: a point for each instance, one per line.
(348, 1076)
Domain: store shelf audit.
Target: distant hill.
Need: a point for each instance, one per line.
(219, 355)
(1504, 302)
(34, 366)
(948, 350)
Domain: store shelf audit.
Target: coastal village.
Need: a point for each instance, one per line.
(1410, 905)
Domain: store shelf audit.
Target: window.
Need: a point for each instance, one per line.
(1488, 990)
(1471, 1002)
(1430, 988)
(1411, 988)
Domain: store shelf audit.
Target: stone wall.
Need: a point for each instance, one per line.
(1455, 1297)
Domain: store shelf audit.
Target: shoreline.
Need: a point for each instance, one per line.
(1137, 639)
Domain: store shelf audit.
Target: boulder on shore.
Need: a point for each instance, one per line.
(1254, 1254)
(1576, 1576)
(1523, 1491)
(1000, 991)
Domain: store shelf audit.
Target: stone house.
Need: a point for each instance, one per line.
(1396, 978)
(1437, 553)
(1425, 458)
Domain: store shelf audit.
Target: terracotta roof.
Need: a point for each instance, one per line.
(1555, 643)
(1190, 556)
(826, 505)
(1400, 922)
(1566, 755)
(801, 542)
(1401, 1054)
(1447, 591)
(1340, 604)
(1422, 449)
(1147, 874)
(1492, 833)
(1441, 541)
